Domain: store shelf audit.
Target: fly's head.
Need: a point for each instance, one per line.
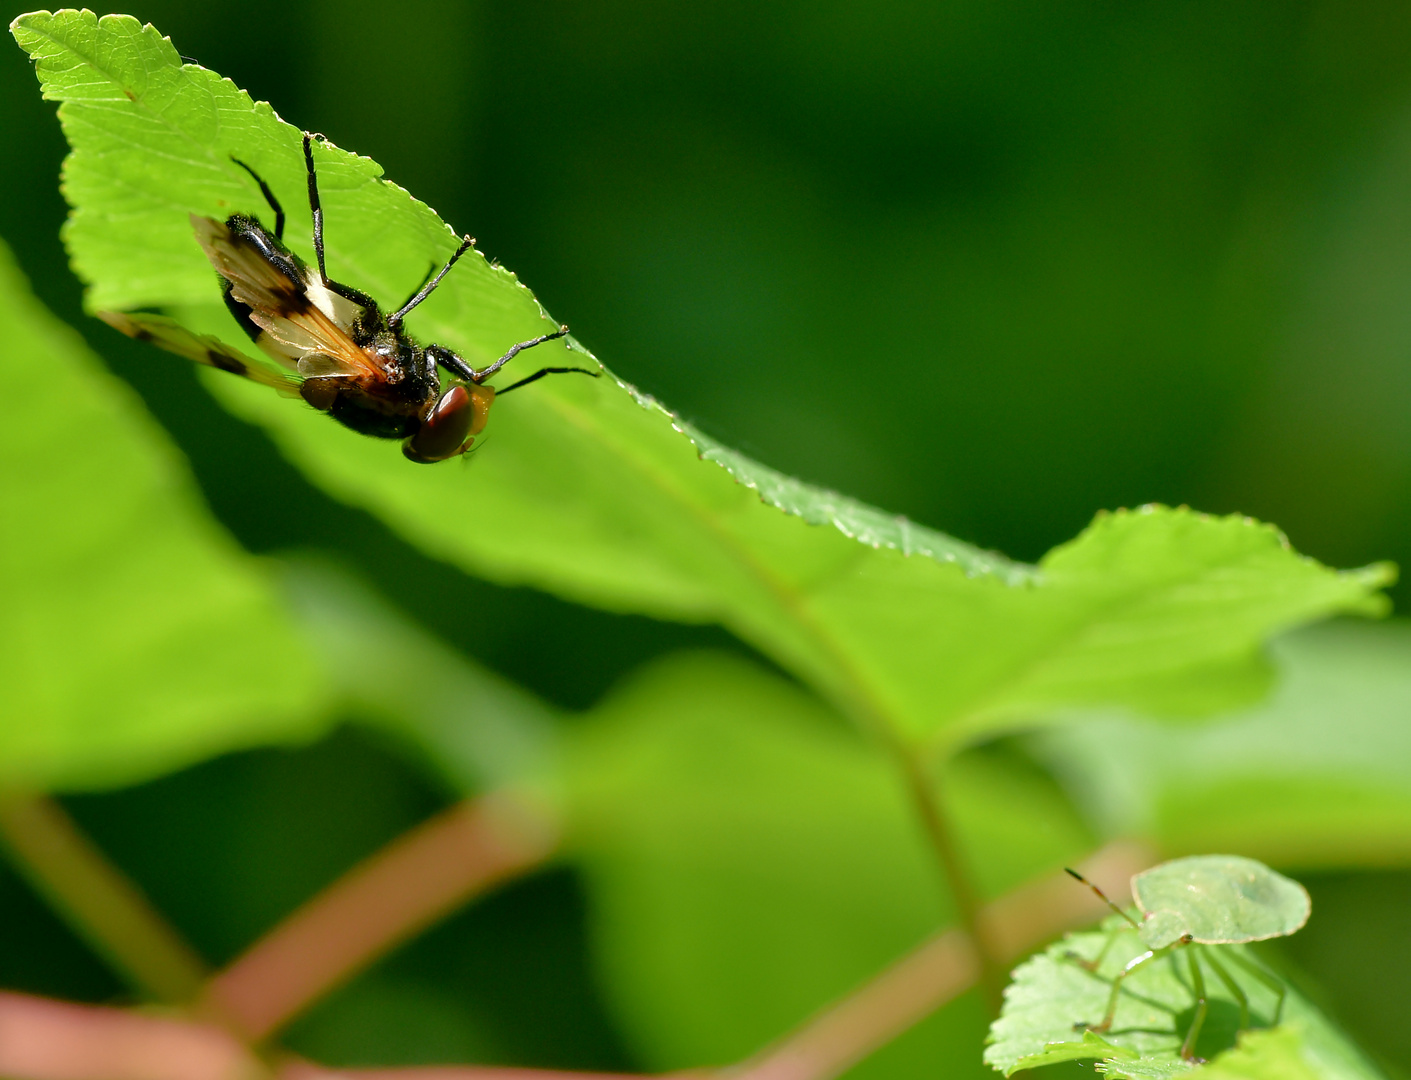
(451, 424)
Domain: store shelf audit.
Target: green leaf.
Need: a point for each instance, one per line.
(592, 490)
(475, 730)
(1090, 1046)
(1052, 996)
(750, 859)
(1320, 775)
(135, 637)
(1142, 1069)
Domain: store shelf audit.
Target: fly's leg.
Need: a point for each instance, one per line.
(395, 319)
(1201, 1007)
(515, 350)
(421, 284)
(315, 206)
(269, 198)
(439, 354)
(316, 209)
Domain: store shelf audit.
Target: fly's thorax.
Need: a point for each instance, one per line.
(387, 351)
(407, 374)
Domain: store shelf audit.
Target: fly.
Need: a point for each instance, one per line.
(332, 344)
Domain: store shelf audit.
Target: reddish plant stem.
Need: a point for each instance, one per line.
(306, 1071)
(941, 969)
(98, 900)
(56, 1040)
(50, 1040)
(415, 880)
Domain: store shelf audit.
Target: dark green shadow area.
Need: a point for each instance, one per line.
(1357, 948)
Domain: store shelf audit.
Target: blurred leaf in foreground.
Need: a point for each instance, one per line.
(751, 859)
(1317, 776)
(1275, 1054)
(590, 489)
(135, 636)
(474, 729)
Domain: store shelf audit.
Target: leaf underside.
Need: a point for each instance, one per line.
(590, 489)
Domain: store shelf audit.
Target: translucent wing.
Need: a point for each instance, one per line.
(303, 323)
(202, 348)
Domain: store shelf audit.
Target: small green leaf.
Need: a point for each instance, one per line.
(592, 490)
(135, 637)
(1144, 1068)
(1053, 997)
(1218, 900)
(1090, 1046)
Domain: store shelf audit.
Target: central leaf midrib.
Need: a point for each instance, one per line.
(867, 705)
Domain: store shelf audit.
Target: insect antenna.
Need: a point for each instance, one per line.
(1098, 892)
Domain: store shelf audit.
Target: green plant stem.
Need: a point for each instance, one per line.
(97, 899)
(925, 793)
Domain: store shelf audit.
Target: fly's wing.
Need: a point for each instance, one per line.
(202, 348)
(303, 323)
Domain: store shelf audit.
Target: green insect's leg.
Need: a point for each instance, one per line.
(1268, 978)
(1096, 961)
(1201, 1007)
(1236, 991)
(1132, 965)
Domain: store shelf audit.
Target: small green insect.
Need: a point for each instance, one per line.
(1202, 901)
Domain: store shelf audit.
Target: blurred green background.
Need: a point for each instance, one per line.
(991, 265)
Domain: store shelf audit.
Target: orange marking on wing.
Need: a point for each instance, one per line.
(284, 307)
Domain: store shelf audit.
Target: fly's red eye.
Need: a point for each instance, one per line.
(444, 431)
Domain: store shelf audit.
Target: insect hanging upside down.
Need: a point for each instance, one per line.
(331, 344)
